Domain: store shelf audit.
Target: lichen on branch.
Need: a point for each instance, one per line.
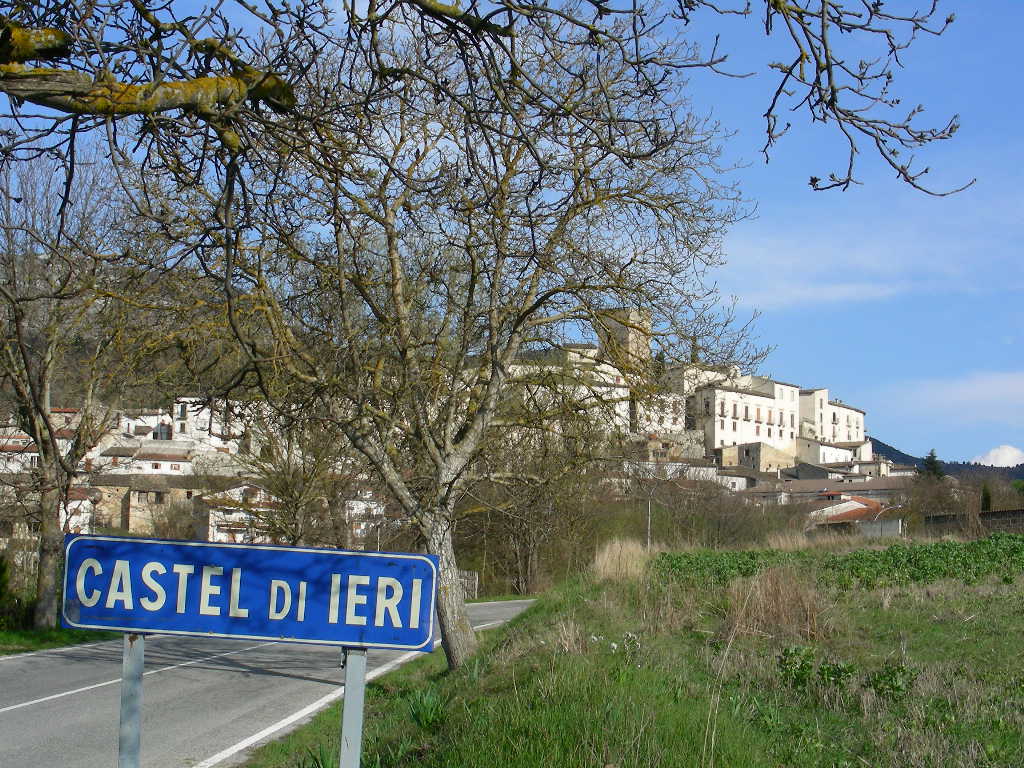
(79, 93)
(18, 44)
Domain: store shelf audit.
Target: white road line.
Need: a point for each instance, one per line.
(118, 680)
(316, 706)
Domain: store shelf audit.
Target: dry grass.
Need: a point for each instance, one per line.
(793, 540)
(570, 636)
(778, 603)
(623, 560)
(787, 541)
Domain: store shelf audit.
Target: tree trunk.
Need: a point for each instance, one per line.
(457, 636)
(51, 552)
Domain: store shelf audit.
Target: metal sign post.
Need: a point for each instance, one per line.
(130, 733)
(354, 662)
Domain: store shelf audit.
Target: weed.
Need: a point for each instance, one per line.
(836, 674)
(428, 708)
(321, 758)
(892, 682)
(796, 666)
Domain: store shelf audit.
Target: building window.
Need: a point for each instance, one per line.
(158, 497)
(757, 414)
(734, 426)
(721, 408)
(113, 461)
(769, 431)
(175, 467)
(182, 413)
(707, 407)
(734, 407)
(67, 420)
(156, 465)
(746, 413)
(141, 496)
(721, 424)
(790, 435)
(188, 494)
(792, 420)
(33, 461)
(757, 430)
(181, 426)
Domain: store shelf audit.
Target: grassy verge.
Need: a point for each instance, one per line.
(710, 663)
(25, 640)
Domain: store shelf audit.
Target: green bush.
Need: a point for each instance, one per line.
(15, 612)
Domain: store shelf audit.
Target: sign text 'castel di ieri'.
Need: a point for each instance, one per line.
(354, 599)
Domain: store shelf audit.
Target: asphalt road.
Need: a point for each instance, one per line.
(205, 701)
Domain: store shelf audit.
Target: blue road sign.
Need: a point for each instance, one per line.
(258, 592)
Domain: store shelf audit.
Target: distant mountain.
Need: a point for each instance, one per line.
(955, 468)
(895, 455)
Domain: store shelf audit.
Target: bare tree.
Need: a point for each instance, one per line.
(227, 72)
(404, 269)
(61, 335)
(400, 205)
(309, 476)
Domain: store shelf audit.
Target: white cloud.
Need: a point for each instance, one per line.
(876, 250)
(974, 398)
(1001, 456)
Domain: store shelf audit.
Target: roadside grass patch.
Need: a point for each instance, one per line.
(27, 640)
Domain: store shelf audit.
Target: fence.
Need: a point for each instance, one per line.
(470, 584)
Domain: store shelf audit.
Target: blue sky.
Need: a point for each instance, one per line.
(905, 305)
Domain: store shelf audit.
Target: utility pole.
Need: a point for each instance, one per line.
(648, 520)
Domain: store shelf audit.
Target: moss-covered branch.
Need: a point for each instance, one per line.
(453, 13)
(77, 93)
(19, 44)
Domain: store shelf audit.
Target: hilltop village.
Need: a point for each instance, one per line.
(766, 440)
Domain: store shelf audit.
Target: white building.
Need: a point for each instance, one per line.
(754, 409)
(831, 421)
